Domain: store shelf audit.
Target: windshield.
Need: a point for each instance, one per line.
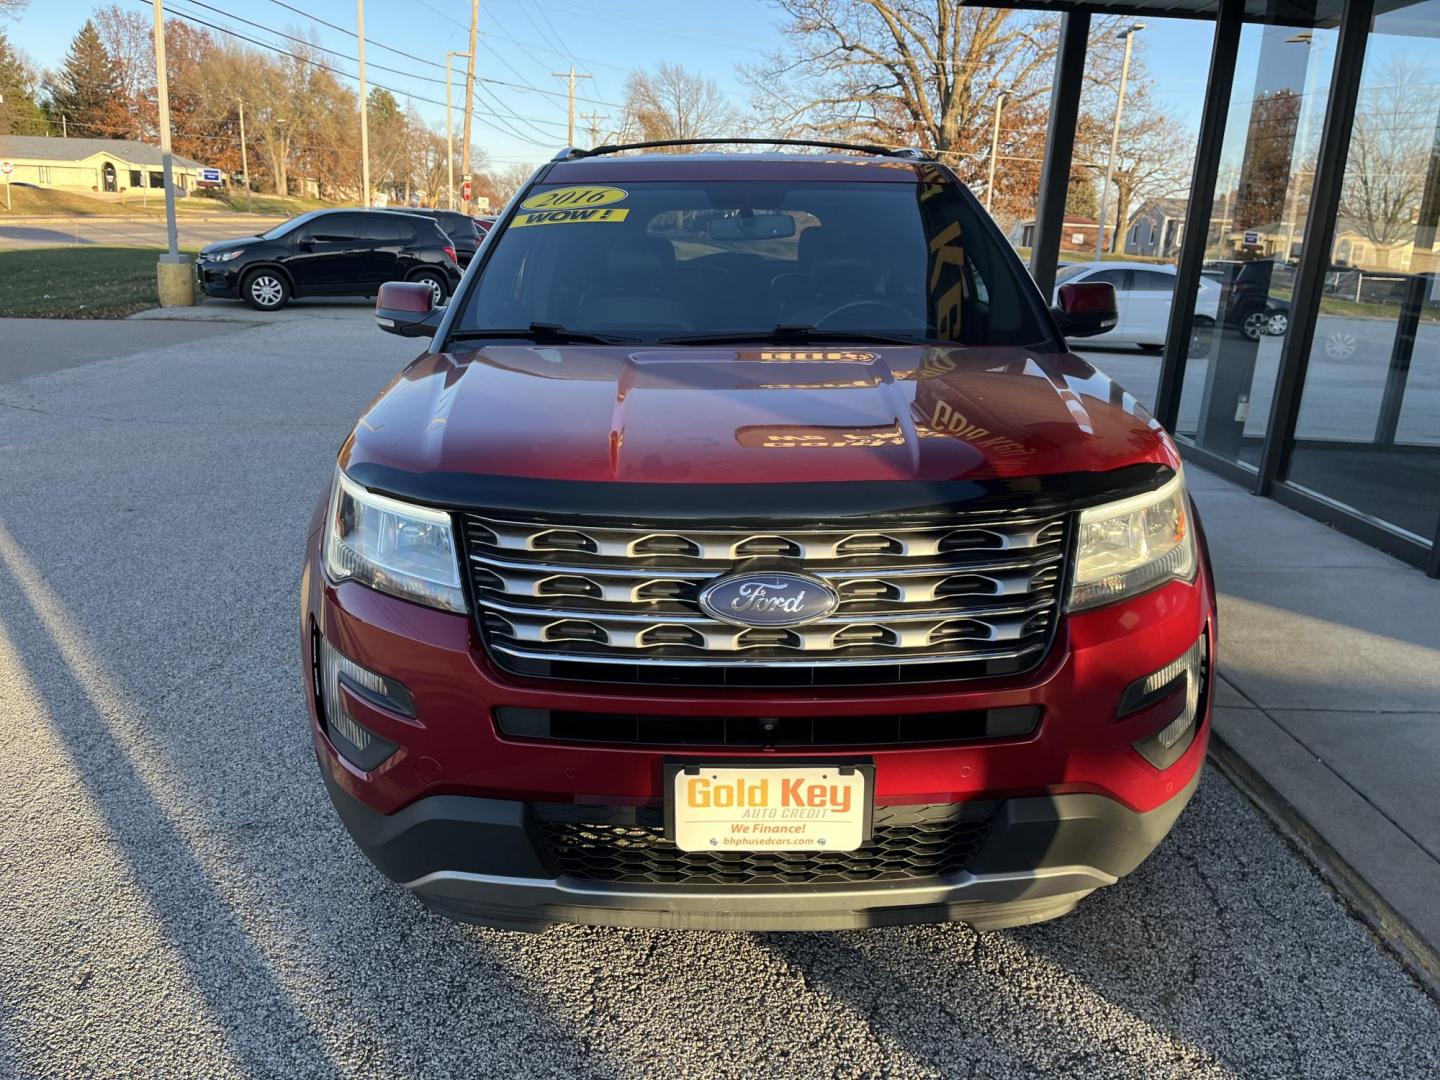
(660, 260)
(1065, 273)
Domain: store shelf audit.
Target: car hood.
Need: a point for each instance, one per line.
(221, 246)
(754, 415)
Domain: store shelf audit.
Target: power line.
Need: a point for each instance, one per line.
(311, 44)
(526, 87)
(351, 33)
(327, 67)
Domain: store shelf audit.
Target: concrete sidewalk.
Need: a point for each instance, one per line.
(1328, 706)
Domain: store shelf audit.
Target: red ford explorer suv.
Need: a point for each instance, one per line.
(747, 550)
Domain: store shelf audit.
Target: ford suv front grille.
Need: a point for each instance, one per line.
(974, 596)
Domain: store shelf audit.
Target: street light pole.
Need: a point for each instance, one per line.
(364, 118)
(162, 95)
(172, 272)
(994, 147)
(244, 156)
(449, 138)
(1128, 34)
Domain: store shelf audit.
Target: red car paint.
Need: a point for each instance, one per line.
(657, 415)
(771, 415)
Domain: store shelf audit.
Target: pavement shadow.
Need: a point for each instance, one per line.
(281, 928)
(1176, 963)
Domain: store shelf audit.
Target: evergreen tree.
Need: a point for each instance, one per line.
(19, 114)
(86, 89)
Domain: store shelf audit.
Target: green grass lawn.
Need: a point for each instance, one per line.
(31, 201)
(77, 283)
(262, 204)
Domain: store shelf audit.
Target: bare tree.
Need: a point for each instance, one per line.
(672, 103)
(1154, 157)
(924, 73)
(1390, 150)
(504, 183)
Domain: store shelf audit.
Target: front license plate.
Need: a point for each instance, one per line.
(768, 808)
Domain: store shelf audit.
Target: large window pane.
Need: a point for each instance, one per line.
(1368, 434)
(1256, 233)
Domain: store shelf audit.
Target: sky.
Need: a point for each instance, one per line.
(521, 43)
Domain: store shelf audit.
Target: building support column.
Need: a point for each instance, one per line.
(1319, 236)
(1196, 234)
(1059, 149)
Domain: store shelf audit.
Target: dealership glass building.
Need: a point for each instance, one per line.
(1314, 204)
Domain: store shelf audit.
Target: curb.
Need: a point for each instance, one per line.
(1409, 948)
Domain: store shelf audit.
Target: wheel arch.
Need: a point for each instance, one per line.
(274, 266)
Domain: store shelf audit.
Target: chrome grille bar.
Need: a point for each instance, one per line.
(983, 589)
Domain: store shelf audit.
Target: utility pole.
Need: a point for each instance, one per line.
(172, 273)
(244, 156)
(994, 147)
(593, 124)
(364, 118)
(1128, 34)
(450, 137)
(571, 74)
(469, 93)
(64, 130)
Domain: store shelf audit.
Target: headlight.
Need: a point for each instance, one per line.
(1133, 545)
(226, 256)
(404, 550)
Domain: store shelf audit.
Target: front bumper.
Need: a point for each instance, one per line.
(449, 814)
(217, 279)
(480, 860)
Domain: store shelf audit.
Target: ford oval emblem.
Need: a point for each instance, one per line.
(770, 599)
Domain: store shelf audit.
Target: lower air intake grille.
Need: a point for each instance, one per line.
(627, 845)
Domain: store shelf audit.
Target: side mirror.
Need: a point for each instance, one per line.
(405, 308)
(1086, 308)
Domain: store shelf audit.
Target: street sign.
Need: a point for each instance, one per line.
(210, 176)
(465, 191)
(6, 168)
(1252, 239)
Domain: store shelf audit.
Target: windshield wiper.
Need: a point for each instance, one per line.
(791, 334)
(552, 333)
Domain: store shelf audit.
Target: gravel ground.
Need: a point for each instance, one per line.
(177, 898)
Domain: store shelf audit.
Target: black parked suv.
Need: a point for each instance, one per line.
(330, 253)
(465, 232)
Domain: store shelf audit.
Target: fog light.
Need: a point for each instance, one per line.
(1189, 673)
(355, 742)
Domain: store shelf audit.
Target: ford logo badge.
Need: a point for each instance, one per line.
(772, 599)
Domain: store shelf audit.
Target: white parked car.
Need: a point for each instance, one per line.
(1143, 292)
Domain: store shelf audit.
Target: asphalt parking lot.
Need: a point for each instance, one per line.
(177, 898)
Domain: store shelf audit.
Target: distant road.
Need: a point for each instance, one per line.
(126, 232)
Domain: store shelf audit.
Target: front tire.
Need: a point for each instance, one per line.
(265, 290)
(1255, 325)
(439, 291)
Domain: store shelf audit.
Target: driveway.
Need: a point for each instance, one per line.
(178, 899)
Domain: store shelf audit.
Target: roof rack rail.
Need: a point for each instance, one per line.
(909, 152)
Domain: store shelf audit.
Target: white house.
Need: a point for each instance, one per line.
(92, 164)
